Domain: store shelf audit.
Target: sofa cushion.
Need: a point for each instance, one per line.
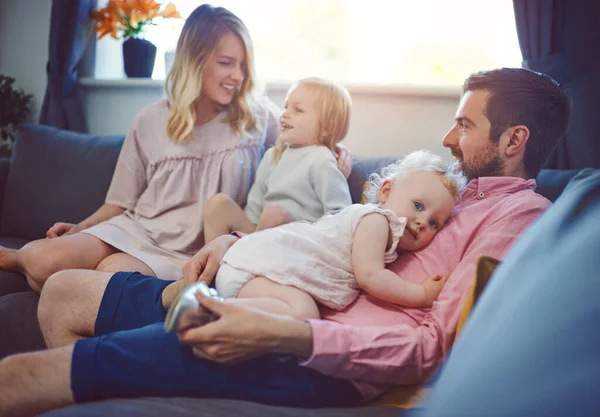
(56, 175)
(19, 324)
(202, 407)
(12, 242)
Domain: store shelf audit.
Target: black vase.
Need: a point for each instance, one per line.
(138, 57)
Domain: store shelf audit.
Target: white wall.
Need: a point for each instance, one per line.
(384, 121)
(24, 29)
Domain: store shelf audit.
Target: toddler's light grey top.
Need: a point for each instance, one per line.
(306, 181)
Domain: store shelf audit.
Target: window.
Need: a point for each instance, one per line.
(374, 42)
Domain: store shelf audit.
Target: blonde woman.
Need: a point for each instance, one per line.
(298, 179)
(208, 138)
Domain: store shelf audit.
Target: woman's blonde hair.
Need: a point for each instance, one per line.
(420, 160)
(199, 38)
(333, 102)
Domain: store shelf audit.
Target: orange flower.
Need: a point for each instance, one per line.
(129, 16)
(170, 11)
(108, 22)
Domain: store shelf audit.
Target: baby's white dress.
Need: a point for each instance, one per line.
(314, 257)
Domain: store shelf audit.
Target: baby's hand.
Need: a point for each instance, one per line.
(433, 286)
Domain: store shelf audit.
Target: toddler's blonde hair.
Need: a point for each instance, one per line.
(334, 103)
(421, 160)
(199, 39)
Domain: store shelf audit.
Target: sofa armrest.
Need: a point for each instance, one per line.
(4, 170)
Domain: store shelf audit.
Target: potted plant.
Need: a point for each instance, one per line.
(127, 20)
(15, 108)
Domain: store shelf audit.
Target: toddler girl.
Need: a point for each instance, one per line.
(288, 269)
(297, 179)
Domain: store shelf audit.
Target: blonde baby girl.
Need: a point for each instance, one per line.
(291, 268)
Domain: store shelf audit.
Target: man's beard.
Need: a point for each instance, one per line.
(486, 164)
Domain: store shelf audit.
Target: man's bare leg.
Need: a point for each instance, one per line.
(31, 383)
(69, 305)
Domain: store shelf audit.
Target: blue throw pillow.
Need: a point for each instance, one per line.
(552, 182)
(56, 175)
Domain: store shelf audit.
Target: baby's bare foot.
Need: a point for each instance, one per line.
(172, 292)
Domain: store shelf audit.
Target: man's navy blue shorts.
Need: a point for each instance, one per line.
(133, 356)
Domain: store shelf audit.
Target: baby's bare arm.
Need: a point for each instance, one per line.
(368, 249)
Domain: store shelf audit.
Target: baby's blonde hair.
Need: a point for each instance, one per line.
(199, 39)
(334, 103)
(421, 160)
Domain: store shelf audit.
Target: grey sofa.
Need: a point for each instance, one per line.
(56, 175)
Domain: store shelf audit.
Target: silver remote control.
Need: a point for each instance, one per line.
(186, 312)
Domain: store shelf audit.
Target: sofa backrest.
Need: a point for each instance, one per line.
(55, 175)
(58, 175)
(362, 167)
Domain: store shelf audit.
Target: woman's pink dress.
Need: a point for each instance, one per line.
(164, 185)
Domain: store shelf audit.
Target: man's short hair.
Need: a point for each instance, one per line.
(522, 97)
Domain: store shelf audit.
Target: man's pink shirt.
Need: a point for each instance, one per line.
(377, 345)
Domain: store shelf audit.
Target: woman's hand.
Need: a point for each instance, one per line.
(242, 333)
(203, 266)
(105, 212)
(344, 159)
(60, 229)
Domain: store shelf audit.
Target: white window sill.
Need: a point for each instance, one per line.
(406, 90)
(121, 82)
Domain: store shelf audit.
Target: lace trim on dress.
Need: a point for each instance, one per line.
(203, 156)
(397, 226)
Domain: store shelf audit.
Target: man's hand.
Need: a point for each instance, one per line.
(203, 266)
(60, 229)
(242, 333)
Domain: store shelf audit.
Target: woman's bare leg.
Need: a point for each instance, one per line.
(222, 216)
(69, 305)
(123, 262)
(273, 216)
(41, 258)
(271, 297)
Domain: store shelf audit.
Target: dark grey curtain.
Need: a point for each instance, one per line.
(560, 38)
(71, 31)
